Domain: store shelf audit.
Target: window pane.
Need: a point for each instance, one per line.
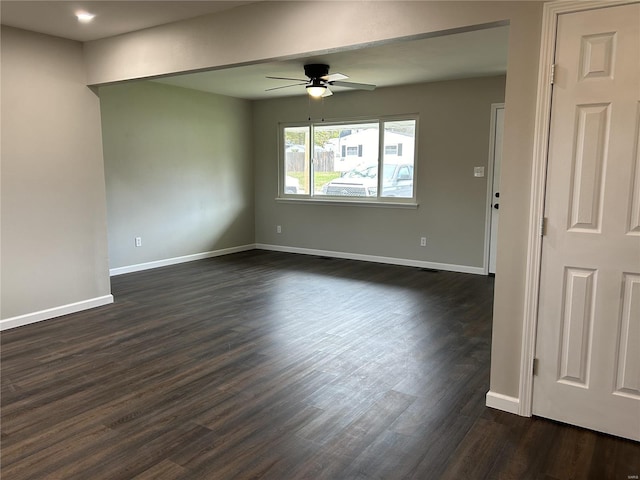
(398, 160)
(391, 149)
(346, 160)
(296, 160)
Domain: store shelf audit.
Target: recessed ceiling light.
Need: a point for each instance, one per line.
(84, 17)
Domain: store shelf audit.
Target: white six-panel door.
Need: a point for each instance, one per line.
(588, 338)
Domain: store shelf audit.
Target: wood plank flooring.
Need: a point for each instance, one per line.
(279, 366)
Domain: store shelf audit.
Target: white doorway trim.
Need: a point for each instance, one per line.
(538, 178)
(488, 238)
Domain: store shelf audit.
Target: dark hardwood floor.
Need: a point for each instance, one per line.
(278, 366)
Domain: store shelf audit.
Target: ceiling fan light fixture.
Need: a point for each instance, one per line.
(316, 88)
(316, 91)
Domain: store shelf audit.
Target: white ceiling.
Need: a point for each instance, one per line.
(112, 18)
(471, 54)
(481, 52)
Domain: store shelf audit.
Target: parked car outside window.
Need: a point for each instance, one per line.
(397, 181)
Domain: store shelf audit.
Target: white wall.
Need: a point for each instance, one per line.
(179, 172)
(453, 138)
(54, 236)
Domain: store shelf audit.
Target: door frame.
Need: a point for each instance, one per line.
(490, 173)
(551, 12)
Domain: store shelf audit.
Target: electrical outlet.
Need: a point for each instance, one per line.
(423, 241)
(278, 228)
(138, 241)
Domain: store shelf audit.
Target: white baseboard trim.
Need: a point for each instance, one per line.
(503, 402)
(498, 401)
(374, 258)
(175, 260)
(19, 321)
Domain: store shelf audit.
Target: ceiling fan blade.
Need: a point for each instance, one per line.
(292, 79)
(285, 86)
(327, 93)
(334, 76)
(361, 86)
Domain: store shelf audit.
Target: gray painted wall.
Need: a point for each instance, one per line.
(454, 123)
(178, 169)
(257, 32)
(54, 238)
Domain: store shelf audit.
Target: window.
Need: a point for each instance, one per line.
(354, 151)
(344, 160)
(393, 149)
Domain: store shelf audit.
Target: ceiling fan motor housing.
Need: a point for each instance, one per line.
(316, 70)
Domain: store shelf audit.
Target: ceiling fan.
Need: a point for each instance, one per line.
(319, 81)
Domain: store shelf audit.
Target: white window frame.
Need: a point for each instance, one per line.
(309, 197)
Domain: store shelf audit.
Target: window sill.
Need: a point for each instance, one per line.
(354, 203)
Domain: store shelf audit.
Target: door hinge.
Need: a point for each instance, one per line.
(552, 74)
(543, 226)
(535, 366)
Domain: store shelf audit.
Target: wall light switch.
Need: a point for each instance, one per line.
(478, 171)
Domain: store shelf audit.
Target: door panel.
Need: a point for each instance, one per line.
(634, 197)
(628, 372)
(592, 136)
(576, 324)
(588, 339)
